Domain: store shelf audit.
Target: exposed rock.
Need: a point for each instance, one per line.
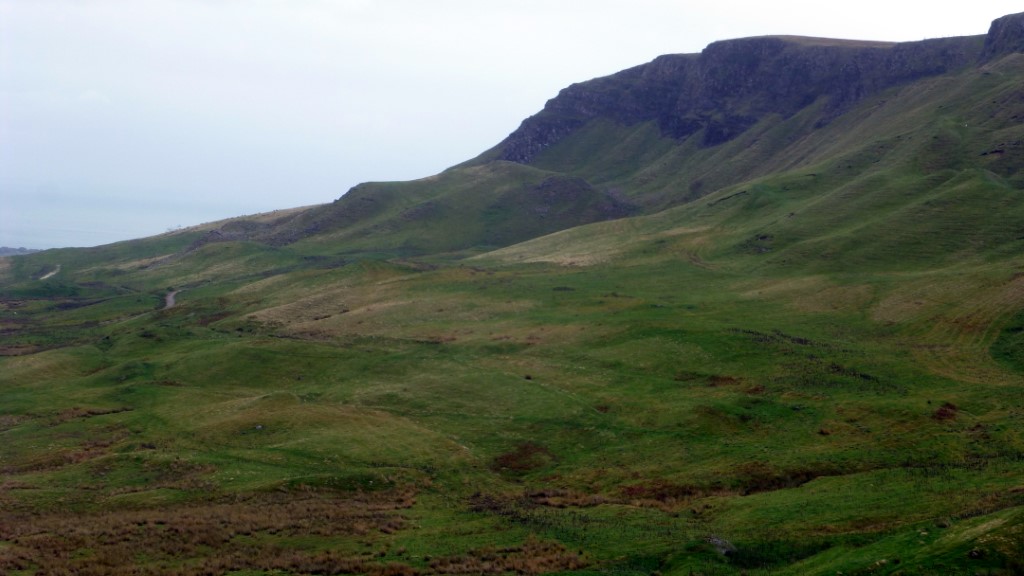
(721, 545)
(732, 84)
(1005, 36)
(706, 99)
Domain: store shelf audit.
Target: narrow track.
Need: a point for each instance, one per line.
(169, 299)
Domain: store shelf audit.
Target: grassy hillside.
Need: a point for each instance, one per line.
(810, 362)
(464, 208)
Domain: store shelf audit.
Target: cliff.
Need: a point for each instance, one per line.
(678, 128)
(727, 88)
(1005, 36)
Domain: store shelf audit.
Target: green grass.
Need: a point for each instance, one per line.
(812, 367)
(670, 403)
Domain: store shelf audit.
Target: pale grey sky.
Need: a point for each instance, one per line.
(123, 118)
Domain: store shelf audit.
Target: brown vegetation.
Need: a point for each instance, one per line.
(562, 498)
(203, 539)
(249, 533)
(526, 457)
(947, 411)
(660, 490)
(753, 477)
(76, 413)
(533, 557)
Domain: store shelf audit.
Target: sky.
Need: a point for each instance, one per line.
(121, 119)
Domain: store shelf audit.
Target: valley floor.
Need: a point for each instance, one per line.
(483, 416)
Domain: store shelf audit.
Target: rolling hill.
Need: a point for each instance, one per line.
(757, 310)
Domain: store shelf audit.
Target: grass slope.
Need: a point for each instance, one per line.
(813, 368)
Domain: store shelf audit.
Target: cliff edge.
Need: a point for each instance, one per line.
(1005, 36)
(727, 88)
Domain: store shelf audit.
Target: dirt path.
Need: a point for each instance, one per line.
(50, 274)
(169, 300)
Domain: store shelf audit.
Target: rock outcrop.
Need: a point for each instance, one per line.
(727, 88)
(1005, 36)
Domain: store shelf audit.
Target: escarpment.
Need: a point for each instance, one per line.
(727, 88)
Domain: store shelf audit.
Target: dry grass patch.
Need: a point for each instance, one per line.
(432, 318)
(128, 266)
(812, 294)
(5, 267)
(261, 287)
(340, 437)
(836, 298)
(915, 300)
(51, 365)
(956, 342)
(359, 301)
(583, 246)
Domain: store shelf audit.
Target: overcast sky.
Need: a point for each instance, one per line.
(124, 118)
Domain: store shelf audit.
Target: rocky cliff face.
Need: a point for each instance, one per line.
(1005, 36)
(721, 92)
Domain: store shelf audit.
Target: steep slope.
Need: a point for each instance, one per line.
(653, 136)
(929, 175)
(1005, 36)
(731, 85)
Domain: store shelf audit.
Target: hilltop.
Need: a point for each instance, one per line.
(757, 310)
(654, 136)
(5, 251)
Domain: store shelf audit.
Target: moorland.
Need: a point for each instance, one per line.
(754, 311)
